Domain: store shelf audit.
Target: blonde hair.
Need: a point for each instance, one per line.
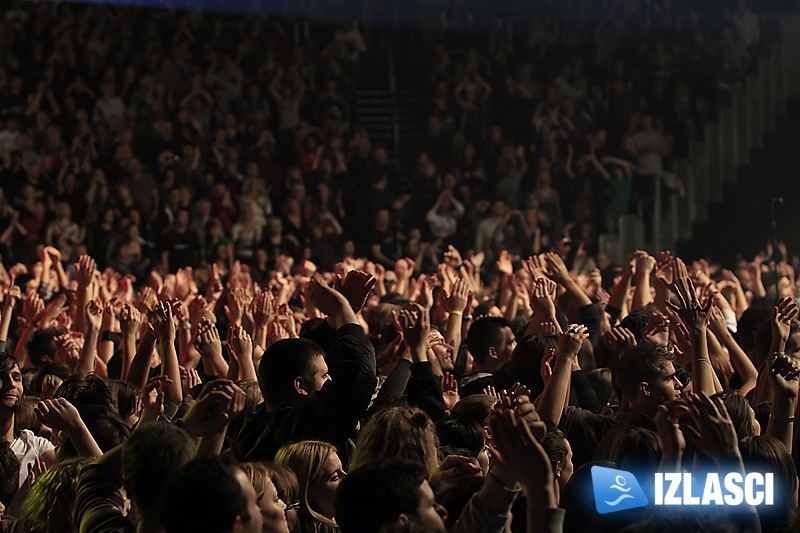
(307, 460)
(258, 474)
(398, 432)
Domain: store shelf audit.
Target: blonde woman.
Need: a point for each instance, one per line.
(401, 432)
(319, 471)
(273, 509)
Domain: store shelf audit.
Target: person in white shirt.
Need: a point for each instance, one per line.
(443, 216)
(25, 445)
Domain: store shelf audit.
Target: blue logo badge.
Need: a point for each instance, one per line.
(616, 490)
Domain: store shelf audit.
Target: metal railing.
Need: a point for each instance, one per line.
(713, 162)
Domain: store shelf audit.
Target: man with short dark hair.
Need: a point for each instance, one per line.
(389, 492)
(140, 465)
(646, 376)
(315, 390)
(491, 342)
(210, 495)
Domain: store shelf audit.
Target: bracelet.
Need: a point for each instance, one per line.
(457, 312)
(787, 419)
(778, 354)
(703, 359)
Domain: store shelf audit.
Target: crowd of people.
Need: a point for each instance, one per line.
(223, 309)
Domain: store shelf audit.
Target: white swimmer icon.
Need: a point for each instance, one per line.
(619, 485)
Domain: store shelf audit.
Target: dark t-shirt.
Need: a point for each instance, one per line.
(183, 248)
(386, 241)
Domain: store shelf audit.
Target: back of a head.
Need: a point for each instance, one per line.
(485, 333)
(465, 436)
(397, 432)
(376, 494)
(475, 408)
(85, 390)
(765, 454)
(150, 454)
(203, 496)
(639, 450)
(637, 320)
(47, 369)
(527, 360)
(50, 503)
(281, 363)
(41, 345)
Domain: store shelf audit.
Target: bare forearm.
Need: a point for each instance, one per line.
(140, 366)
(88, 353)
(702, 371)
(641, 295)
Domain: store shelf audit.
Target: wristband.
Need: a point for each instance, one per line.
(778, 354)
(787, 419)
(457, 312)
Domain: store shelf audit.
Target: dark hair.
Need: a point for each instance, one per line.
(50, 503)
(150, 454)
(475, 408)
(9, 473)
(47, 369)
(105, 426)
(640, 363)
(203, 496)
(639, 449)
(637, 320)
(555, 446)
(768, 454)
(85, 390)
(7, 362)
(602, 384)
(377, 493)
(41, 345)
(281, 363)
(527, 359)
(125, 397)
(467, 436)
(455, 495)
(485, 333)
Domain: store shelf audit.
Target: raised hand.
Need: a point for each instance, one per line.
(784, 377)
(619, 339)
(546, 366)
(713, 432)
(556, 268)
(94, 314)
(504, 263)
(130, 319)
(153, 399)
(162, 323)
(449, 390)
(234, 309)
(240, 342)
(210, 414)
(571, 341)
(694, 314)
(404, 268)
(356, 287)
(207, 341)
(458, 299)
(58, 414)
(324, 298)
(85, 271)
(783, 313)
(415, 323)
(657, 329)
(516, 449)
